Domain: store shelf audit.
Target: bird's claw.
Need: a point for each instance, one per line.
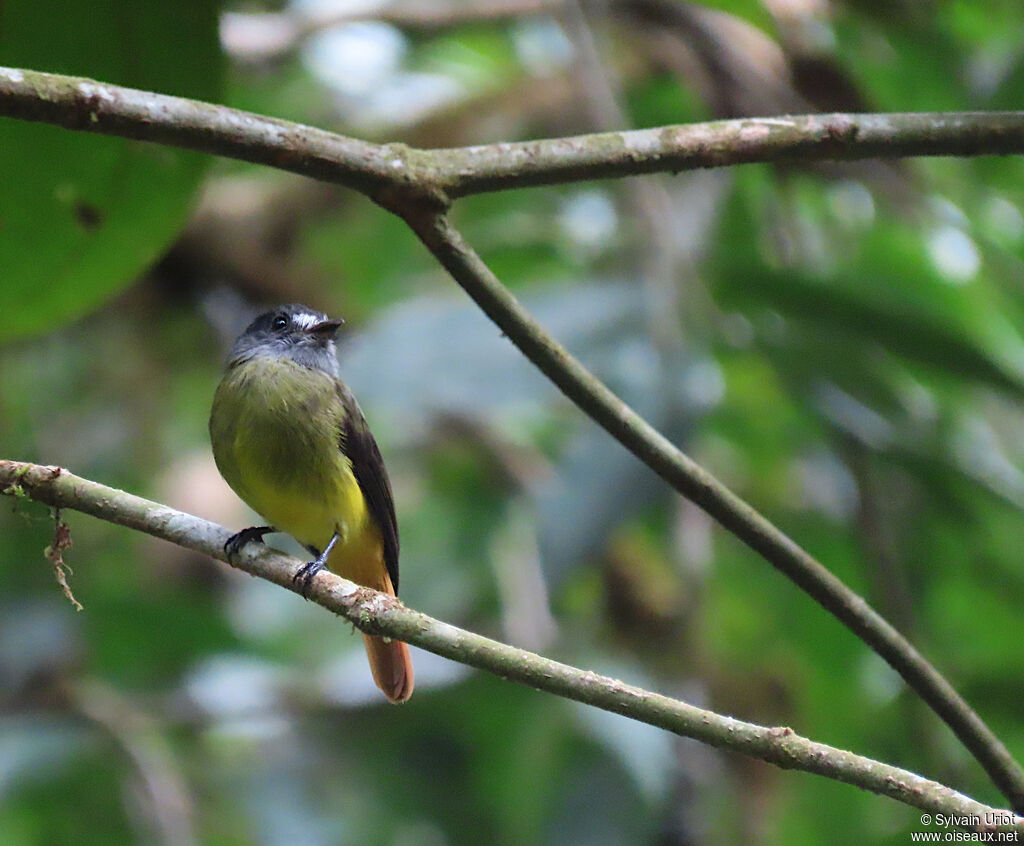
(305, 574)
(233, 545)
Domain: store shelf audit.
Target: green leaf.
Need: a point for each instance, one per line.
(82, 215)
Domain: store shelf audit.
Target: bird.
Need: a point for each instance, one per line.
(290, 439)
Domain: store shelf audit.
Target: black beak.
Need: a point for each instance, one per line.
(325, 328)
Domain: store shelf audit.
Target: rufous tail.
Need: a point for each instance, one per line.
(391, 666)
(390, 661)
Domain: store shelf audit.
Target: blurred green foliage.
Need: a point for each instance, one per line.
(842, 344)
(83, 216)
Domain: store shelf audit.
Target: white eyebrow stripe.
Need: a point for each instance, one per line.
(306, 320)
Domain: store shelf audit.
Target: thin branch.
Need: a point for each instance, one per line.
(671, 149)
(88, 106)
(416, 184)
(381, 171)
(596, 400)
(379, 614)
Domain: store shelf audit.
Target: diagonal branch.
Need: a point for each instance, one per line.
(378, 614)
(694, 482)
(417, 184)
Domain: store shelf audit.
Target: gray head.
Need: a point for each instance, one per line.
(293, 331)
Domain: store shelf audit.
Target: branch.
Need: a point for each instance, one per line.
(416, 184)
(379, 614)
(596, 400)
(380, 171)
(88, 106)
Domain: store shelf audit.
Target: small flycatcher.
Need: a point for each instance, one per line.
(290, 440)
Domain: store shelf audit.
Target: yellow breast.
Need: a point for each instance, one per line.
(275, 430)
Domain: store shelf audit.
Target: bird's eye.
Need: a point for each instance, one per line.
(280, 322)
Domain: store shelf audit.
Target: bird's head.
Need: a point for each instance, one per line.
(293, 331)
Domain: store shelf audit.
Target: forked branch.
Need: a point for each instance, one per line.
(419, 185)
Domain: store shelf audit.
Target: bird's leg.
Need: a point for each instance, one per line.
(233, 545)
(305, 574)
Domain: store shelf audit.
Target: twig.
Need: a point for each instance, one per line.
(55, 553)
(376, 613)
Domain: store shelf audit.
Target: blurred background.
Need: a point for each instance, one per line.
(840, 343)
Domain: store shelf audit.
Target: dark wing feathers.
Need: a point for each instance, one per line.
(368, 466)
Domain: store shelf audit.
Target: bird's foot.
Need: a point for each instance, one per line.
(233, 545)
(305, 574)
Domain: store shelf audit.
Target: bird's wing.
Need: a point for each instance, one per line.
(358, 444)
